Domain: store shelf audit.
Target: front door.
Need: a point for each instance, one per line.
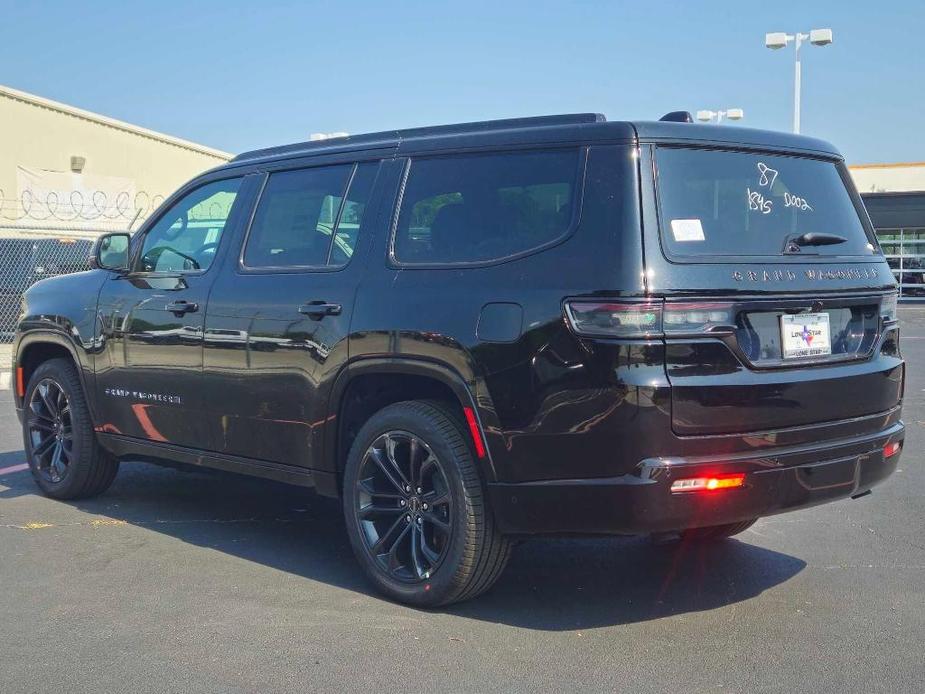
(149, 364)
(277, 324)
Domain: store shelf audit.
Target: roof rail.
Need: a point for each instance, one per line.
(393, 137)
(507, 124)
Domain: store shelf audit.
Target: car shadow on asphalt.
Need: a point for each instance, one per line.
(549, 584)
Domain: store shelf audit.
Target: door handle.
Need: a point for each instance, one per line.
(316, 310)
(179, 307)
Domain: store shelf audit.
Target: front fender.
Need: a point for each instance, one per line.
(61, 311)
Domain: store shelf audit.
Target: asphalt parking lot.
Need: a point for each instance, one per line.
(203, 582)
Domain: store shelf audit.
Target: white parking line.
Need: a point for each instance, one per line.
(5, 380)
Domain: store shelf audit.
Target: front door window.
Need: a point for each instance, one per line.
(186, 237)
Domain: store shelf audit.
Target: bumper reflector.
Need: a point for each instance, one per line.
(891, 449)
(708, 484)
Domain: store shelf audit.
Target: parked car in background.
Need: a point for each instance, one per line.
(473, 333)
(24, 261)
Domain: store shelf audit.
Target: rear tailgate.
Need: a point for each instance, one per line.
(779, 306)
(738, 380)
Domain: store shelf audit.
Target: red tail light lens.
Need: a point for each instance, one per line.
(891, 449)
(615, 319)
(708, 484)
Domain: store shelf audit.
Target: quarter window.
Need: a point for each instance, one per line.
(187, 236)
(304, 219)
(478, 208)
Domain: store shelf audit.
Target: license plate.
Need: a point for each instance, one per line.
(805, 335)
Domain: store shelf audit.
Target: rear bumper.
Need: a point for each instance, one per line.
(777, 480)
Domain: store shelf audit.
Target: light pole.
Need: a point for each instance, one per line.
(779, 39)
(730, 113)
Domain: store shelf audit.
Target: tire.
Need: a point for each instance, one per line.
(427, 565)
(717, 532)
(83, 469)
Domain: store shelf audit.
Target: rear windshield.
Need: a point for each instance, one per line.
(720, 203)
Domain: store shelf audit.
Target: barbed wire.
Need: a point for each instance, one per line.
(78, 206)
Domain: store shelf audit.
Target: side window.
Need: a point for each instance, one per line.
(304, 218)
(477, 208)
(186, 237)
(351, 217)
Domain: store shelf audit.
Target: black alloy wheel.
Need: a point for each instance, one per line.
(403, 506)
(50, 430)
(64, 454)
(415, 507)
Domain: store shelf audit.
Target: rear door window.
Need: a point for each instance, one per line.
(309, 217)
(484, 207)
(723, 203)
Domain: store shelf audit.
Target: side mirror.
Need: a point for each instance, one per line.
(110, 252)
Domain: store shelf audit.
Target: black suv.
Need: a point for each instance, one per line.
(477, 332)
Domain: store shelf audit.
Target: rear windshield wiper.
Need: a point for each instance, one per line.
(793, 244)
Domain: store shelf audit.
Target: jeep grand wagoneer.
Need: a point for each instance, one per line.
(476, 332)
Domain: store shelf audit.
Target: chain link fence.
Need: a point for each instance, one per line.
(29, 256)
(48, 227)
(46, 230)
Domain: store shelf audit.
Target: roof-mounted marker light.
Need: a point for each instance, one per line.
(678, 117)
(708, 484)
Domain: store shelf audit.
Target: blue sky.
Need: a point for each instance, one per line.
(237, 75)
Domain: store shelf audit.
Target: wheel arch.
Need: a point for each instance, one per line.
(36, 347)
(366, 385)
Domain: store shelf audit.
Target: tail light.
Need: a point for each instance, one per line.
(697, 317)
(647, 319)
(615, 319)
(891, 449)
(708, 484)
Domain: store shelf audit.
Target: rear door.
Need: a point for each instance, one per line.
(278, 318)
(778, 300)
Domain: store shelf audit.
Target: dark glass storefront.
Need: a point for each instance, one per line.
(899, 219)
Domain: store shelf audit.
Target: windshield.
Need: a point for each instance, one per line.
(721, 203)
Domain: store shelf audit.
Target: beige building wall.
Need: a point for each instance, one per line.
(42, 136)
(889, 178)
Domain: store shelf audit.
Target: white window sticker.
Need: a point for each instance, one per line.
(687, 230)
